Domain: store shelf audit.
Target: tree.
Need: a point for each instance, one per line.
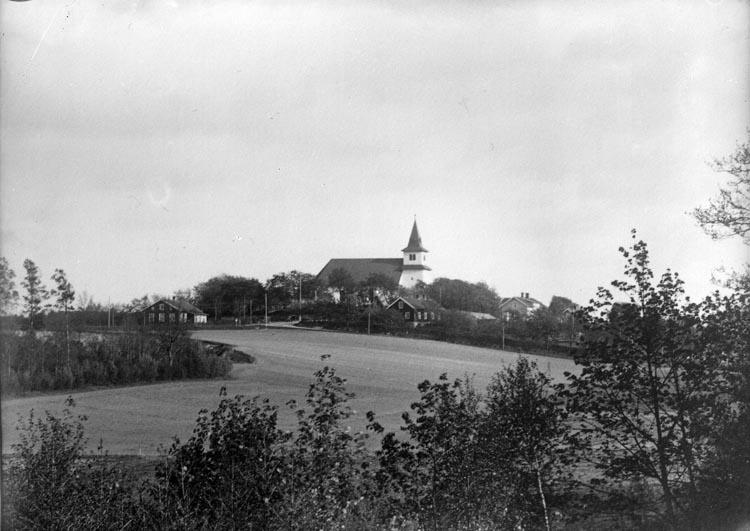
(541, 325)
(523, 425)
(341, 280)
(729, 213)
(654, 384)
(184, 295)
(434, 475)
(228, 295)
(284, 288)
(379, 285)
(558, 305)
(86, 302)
(454, 294)
(64, 297)
(8, 293)
(36, 293)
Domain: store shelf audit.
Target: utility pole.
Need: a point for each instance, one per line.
(266, 301)
(300, 299)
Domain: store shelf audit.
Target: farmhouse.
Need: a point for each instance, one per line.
(172, 311)
(406, 271)
(417, 311)
(522, 306)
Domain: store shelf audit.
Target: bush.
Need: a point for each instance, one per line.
(49, 485)
(51, 362)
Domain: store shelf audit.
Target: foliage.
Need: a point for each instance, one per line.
(49, 485)
(541, 325)
(653, 387)
(724, 478)
(229, 474)
(36, 293)
(239, 470)
(63, 293)
(341, 280)
(558, 305)
(379, 286)
(524, 426)
(8, 293)
(454, 294)
(284, 288)
(33, 363)
(452, 472)
(729, 213)
(227, 295)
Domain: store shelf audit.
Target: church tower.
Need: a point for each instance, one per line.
(415, 268)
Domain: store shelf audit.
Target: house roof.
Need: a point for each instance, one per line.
(526, 301)
(415, 241)
(418, 304)
(182, 306)
(361, 268)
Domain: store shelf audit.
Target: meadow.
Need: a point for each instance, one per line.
(383, 372)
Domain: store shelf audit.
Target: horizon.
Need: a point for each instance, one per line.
(149, 147)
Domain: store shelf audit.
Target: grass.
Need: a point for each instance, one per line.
(383, 372)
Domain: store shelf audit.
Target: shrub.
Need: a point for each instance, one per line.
(48, 484)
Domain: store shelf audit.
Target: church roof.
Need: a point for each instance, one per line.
(361, 268)
(415, 241)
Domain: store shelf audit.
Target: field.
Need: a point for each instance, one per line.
(382, 371)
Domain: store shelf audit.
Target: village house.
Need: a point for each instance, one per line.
(166, 311)
(522, 306)
(417, 311)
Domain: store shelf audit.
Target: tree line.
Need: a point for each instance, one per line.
(649, 432)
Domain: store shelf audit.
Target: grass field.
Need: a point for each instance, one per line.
(382, 371)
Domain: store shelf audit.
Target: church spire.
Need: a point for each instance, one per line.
(415, 241)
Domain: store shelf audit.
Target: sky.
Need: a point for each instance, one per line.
(148, 146)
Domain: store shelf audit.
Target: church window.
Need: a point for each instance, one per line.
(412, 257)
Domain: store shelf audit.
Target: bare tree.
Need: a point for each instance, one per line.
(729, 214)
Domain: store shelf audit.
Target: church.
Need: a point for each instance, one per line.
(406, 271)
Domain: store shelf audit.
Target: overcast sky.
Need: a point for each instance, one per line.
(147, 146)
